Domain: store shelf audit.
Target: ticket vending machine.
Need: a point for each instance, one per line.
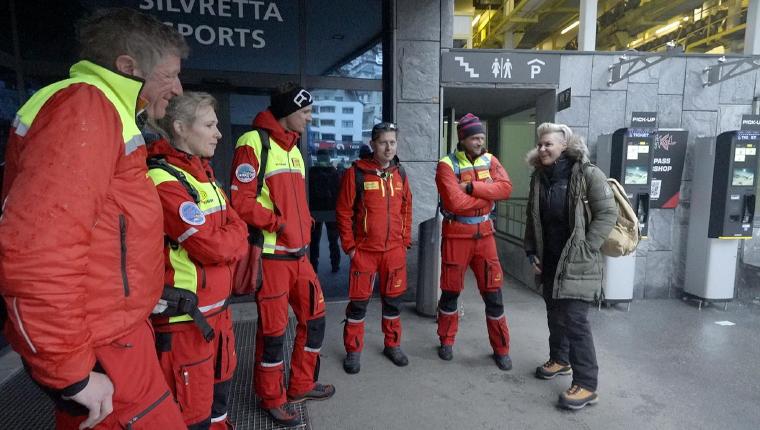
(625, 155)
(722, 210)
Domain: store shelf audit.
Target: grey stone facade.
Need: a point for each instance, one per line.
(417, 104)
(673, 88)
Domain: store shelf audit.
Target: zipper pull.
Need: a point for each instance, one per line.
(186, 376)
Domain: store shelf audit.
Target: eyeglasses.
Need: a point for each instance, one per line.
(384, 126)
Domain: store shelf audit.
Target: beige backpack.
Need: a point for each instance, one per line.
(624, 237)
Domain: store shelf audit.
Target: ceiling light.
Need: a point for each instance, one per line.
(668, 28)
(570, 27)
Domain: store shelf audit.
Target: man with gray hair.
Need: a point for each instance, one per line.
(81, 251)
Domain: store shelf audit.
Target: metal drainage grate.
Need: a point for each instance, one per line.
(23, 406)
(244, 407)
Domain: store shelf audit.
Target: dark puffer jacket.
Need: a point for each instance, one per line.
(579, 268)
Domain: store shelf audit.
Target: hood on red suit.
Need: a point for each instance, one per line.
(286, 139)
(193, 164)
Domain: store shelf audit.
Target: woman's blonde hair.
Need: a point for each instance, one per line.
(183, 108)
(576, 146)
(550, 127)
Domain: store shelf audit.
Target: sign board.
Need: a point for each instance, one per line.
(668, 155)
(750, 122)
(644, 120)
(502, 67)
(563, 99)
(233, 35)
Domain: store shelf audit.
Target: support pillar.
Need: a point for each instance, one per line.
(752, 32)
(587, 28)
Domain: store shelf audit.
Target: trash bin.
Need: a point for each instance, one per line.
(429, 266)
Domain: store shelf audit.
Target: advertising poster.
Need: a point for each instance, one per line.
(667, 167)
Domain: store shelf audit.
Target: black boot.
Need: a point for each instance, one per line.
(396, 355)
(351, 363)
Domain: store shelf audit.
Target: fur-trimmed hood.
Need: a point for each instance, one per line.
(576, 150)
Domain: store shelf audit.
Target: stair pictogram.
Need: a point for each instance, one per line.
(467, 67)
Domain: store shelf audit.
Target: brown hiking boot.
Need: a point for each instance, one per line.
(551, 368)
(319, 392)
(576, 397)
(283, 416)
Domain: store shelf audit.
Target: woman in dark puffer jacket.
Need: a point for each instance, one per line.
(563, 247)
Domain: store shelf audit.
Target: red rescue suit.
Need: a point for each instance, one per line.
(281, 212)
(377, 227)
(204, 240)
(80, 248)
(468, 241)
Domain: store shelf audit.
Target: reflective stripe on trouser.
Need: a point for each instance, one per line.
(391, 267)
(287, 282)
(193, 367)
(458, 254)
(145, 402)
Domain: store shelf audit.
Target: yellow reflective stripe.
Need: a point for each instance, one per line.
(269, 242)
(282, 248)
(278, 161)
(159, 176)
(211, 307)
(184, 236)
(277, 172)
(185, 276)
(214, 209)
(121, 91)
(252, 139)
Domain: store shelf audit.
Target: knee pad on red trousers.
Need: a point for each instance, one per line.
(356, 310)
(494, 304)
(448, 301)
(315, 333)
(273, 352)
(392, 306)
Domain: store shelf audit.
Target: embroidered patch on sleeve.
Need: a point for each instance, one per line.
(191, 213)
(245, 173)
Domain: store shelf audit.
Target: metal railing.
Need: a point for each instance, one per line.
(511, 218)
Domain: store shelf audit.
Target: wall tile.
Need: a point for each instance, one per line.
(576, 74)
(697, 96)
(669, 109)
(577, 114)
(420, 123)
(600, 73)
(418, 64)
(418, 20)
(672, 76)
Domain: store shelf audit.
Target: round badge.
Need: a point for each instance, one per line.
(191, 213)
(245, 173)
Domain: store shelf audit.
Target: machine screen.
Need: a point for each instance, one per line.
(742, 177)
(635, 175)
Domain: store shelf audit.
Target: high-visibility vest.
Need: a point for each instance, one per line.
(467, 171)
(278, 161)
(209, 200)
(114, 86)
